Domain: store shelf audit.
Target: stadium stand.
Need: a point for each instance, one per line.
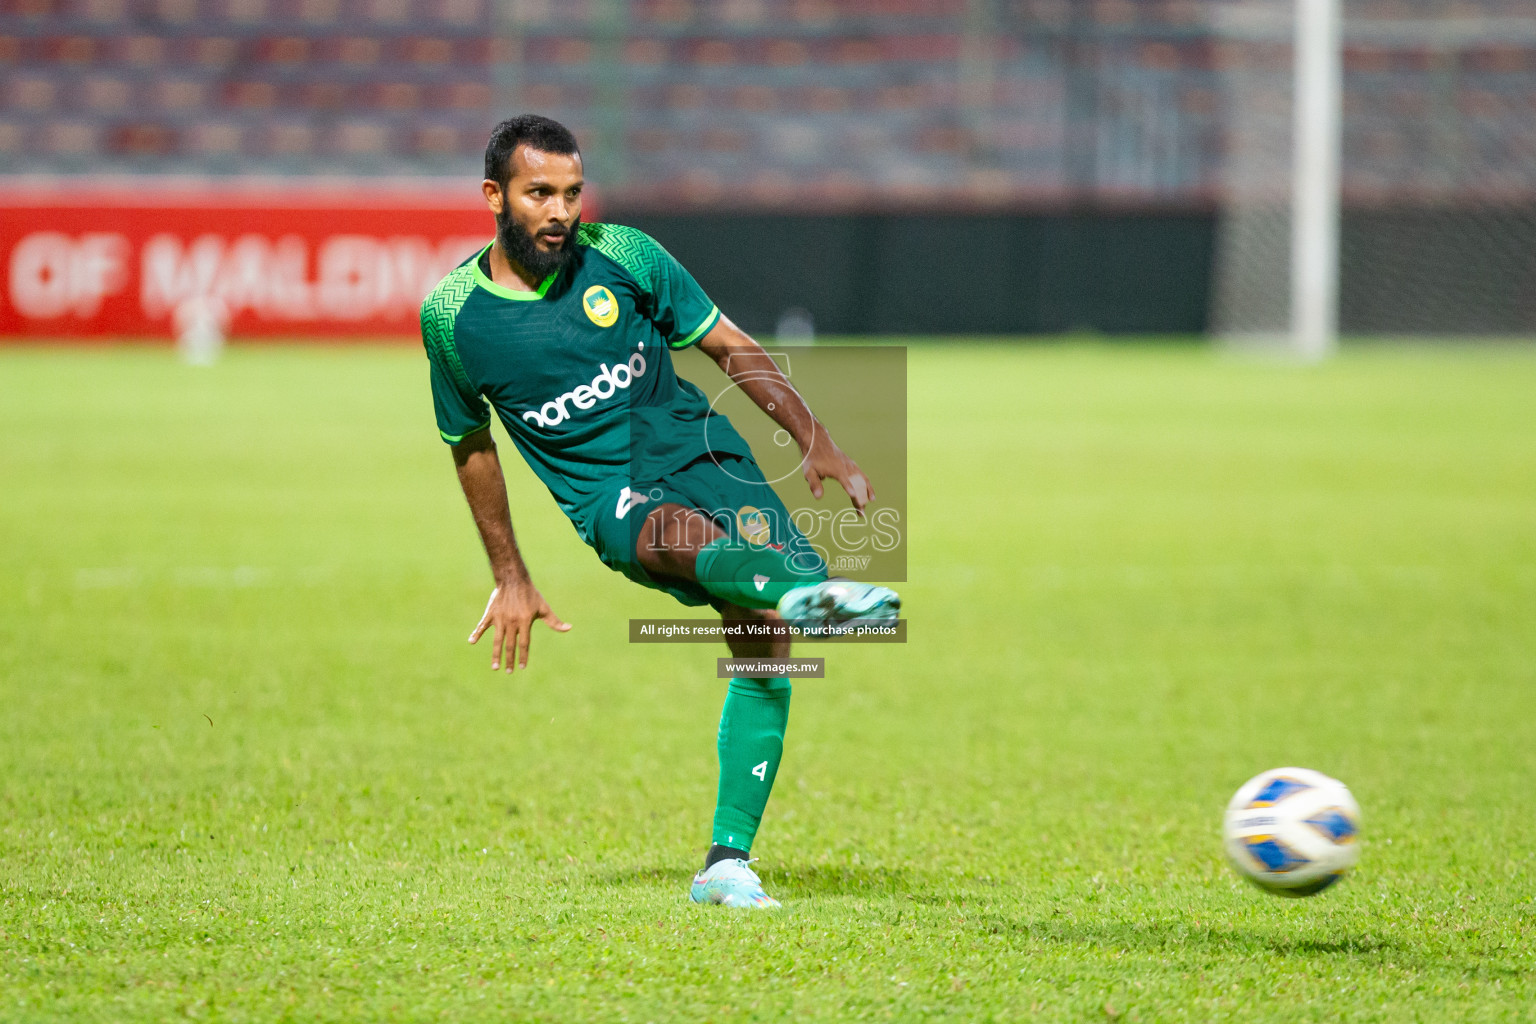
(757, 103)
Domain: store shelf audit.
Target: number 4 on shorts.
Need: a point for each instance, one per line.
(761, 771)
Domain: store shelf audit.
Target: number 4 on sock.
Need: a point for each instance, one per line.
(761, 771)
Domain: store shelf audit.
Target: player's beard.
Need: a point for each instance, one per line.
(523, 248)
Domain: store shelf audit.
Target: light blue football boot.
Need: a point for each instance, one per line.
(839, 605)
(731, 883)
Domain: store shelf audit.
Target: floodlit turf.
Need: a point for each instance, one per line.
(249, 769)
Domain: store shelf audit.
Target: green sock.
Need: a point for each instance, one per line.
(748, 576)
(751, 743)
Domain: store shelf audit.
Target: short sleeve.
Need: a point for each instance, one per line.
(459, 413)
(683, 312)
(679, 308)
(461, 410)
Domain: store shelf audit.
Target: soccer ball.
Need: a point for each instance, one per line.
(1293, 831)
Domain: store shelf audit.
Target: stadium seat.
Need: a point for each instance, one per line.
(251, 95)
(319, 12)
(74, 49)
(462, 12)
(214, 51)
(247, 12)
(357, 50)
(325, 96)
(176, 11)
(466, 96)
(145, 51)
(427, 50)
(180, 94)
(13, 137)
(289, 139)
(397, 96)
(285, 50)
(71, 138)
(436, 140)
(104, 94)
(360, 137)
(214, 139)
(32, 91)
(389, 12)
(142, 139)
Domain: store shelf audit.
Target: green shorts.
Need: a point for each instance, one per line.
(727, 488)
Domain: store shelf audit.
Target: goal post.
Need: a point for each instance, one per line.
(1276, 286)
(1318, 122)
(1377, 174)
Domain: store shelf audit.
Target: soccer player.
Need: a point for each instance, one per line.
(566, 330)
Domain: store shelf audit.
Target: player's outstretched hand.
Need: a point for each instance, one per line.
(512, 610)
(826, 459)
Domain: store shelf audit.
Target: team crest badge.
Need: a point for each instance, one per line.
(600, 305)
(754, 526)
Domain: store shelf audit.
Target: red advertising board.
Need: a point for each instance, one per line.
(310, 261)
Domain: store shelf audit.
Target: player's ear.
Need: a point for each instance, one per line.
(492, 195)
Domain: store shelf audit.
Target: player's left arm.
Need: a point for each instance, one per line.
(755, 372)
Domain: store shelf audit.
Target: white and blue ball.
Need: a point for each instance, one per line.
(1293, 831)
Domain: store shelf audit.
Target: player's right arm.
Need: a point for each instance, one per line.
(515, 603)
(464, 421)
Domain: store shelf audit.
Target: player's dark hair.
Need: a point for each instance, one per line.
(533, 130)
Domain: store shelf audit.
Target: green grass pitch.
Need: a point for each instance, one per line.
(250, 770)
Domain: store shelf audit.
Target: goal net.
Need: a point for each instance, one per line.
(1436, 170)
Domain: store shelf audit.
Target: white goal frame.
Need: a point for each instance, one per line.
(1315, 179)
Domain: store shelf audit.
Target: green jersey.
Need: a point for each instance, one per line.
(579, 371)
